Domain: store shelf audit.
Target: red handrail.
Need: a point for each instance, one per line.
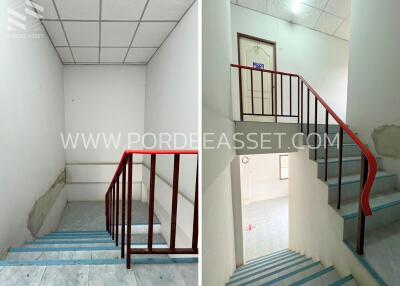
(365, 194)
(112, 203)
(373, 167)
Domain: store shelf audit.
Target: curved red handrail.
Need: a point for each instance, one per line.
(367, 153)
(148, 152)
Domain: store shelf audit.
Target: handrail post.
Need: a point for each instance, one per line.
(361, 215)
(290, 95)
(316, 128)
(298, 99)
(339, 198)
(326, 144)
(196, 212)
(112, 212)
(281, 95)
(123, 210)
(241, 94)
(174, 208)
(106, 206)
(117, 212)
(272, 94)
(308, 111)
(151, 201)
(252, 92)
(129, 215)
(262, 92)
(301, 109)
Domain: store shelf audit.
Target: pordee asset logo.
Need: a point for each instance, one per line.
(209, 141)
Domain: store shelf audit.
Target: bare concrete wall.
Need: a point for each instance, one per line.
(387, 140)
(44, 204)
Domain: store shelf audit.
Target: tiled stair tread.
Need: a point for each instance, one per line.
(348, 280)
(136, 238)
(269, 266)
(280, 252)
(57, 262)
(356, 178)
(349, 208)
(344, 159)
(322, 277)
(266, 261)
(271, 273)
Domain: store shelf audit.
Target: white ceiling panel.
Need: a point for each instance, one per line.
(344, 30)
(321, 15)
(307, 16)
(320, 4)
(152, 34)
(140, 55)
(56, 33)
(341, 8)
(166, 9)
(65, 54)
(45, 8)
(122, 9)
(258, 5)
(280, 9)
(78, 9)
(117, 34)
(86, 55)
(82, 33)
(328, 23)
(112, 55)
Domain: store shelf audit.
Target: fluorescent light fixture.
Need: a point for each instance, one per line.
(296, 6)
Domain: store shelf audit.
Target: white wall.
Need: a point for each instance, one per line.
(321, 59)
(374, 71)
(102, 99)
(260, 178)
(31, 120)
(218, 242)
(315, 227)
(172, 96)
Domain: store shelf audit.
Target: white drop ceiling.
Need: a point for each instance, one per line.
(110, 31)
(331, 17)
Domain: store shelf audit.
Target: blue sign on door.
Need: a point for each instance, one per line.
(258, 66)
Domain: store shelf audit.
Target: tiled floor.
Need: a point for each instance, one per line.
(266, 227)
(90, 215)
(382, 252)
(96, 275)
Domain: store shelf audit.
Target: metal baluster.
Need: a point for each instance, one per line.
(196, 212)
(316, 128)
(361, 215)
(241, 94)
(117, 212)
(175, 185)
(272, 94)
(339, 199)
(123, 209)
(326, 144)
(129, 218)
(262, 92)
(151, 202)
(281, 95)
(252, 92)
(308, 111)
(290, 94)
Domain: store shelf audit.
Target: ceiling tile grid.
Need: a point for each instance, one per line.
(110, 31)
(331, 17)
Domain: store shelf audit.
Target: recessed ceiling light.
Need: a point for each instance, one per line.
(296, 6)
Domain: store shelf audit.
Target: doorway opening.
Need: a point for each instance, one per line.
(264, 189)
(258, 93)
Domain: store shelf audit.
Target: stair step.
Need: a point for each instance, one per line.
(346, 281)
(384, 182)
(333, 138)
(332, 128)
(248, 272)
(271, 255)
(385, 210)
(350, 166)
(323, 277)
(266, 261)
(270, 274)
(81, 248)
(57, 262)
(349, 150)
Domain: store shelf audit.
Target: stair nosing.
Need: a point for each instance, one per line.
(380, 175)
(76, 249)
(342, 280)
(313, 276)
(265, 263)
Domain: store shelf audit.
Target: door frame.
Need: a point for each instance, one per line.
(246, 36)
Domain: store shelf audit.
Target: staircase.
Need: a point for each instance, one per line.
(287, 267)
(382, 231)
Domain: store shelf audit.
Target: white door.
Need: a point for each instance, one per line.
(260, 55)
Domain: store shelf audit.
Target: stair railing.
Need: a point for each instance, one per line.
(302, 88)
(123, 179)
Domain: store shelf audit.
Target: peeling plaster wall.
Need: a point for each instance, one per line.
(31, 120)
(374, 72)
